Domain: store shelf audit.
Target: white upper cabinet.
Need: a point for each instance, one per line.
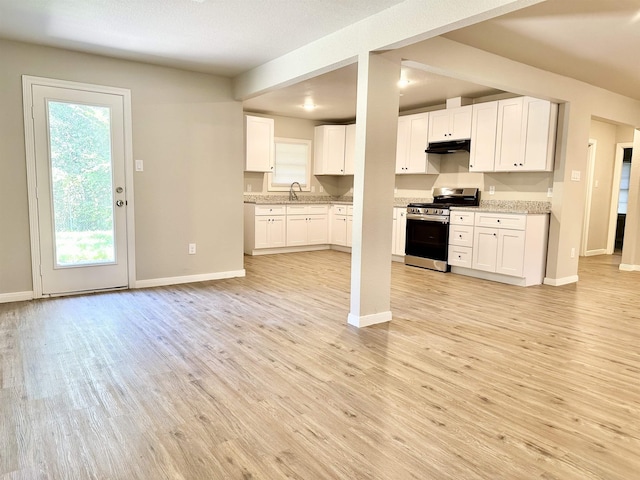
(411, 146)
(450, 124)
(329, 150)
(349, 149)
(334, 149)
(526, 134)
(483, 137)
(259, 144)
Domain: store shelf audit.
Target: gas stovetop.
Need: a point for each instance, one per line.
(445, 198)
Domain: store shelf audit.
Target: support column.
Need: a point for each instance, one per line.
(565, 229)
(373, 188)
(631, 245)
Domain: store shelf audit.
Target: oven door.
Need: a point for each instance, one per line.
(427, 238)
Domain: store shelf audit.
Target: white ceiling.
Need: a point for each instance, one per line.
(592, 40)
(224, 37)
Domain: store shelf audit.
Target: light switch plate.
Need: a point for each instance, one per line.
(139, 166)
(492, 190)
(575, 175)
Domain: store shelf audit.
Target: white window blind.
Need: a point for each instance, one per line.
(292, 163)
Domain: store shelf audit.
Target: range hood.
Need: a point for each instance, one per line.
(452, 146)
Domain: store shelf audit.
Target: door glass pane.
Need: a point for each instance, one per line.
(81, 183)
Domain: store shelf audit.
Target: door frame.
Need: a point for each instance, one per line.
(28, 82)
(591, 165)
(615, 194)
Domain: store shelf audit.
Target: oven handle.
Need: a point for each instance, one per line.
(433, 218)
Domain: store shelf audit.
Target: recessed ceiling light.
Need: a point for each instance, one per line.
(308, 104)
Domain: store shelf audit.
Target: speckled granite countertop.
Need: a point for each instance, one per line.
(510, 206)
(499, 206)
(347, 200)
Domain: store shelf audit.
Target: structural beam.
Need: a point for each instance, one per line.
(398, 26)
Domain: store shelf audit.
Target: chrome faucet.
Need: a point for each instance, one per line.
(293, 195)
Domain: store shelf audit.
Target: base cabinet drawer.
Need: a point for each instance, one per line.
(462, 217)
(497, 220)
(461, 235)
(460, 256)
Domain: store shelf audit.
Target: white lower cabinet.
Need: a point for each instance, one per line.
(307, 225)
(264, 227)
(273, 228)
(270, 232)
(510, 253)
(341, 224)
(461, 239)
(511, 248)
(499, 250)
(399, 231)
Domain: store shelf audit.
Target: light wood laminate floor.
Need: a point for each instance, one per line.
(261, 378)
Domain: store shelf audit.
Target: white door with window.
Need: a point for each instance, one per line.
(78, 138)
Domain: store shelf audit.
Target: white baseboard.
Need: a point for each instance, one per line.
(301, 248)
(367, 320)
(162, 282)
(626, 267)
(15, 297)
(593, 253)
(557, 282)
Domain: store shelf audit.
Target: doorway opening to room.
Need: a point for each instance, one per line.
(78, 142)
(623, 197)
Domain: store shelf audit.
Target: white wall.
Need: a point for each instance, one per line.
(188, 130)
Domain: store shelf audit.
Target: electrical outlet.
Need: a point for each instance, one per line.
(321, 189)
(492, 189)
(549, 192)
(573, 253)
(248, 187)
(192, 249)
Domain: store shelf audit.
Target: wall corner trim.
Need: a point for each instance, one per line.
(163, 282)
(557, 282)
(626, 267)
(367, 320)
(16, 297)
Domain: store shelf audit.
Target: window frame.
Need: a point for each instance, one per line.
(306, 186)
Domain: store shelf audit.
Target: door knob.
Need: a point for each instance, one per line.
(119, 203)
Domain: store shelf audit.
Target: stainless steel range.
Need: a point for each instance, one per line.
(428, 227)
